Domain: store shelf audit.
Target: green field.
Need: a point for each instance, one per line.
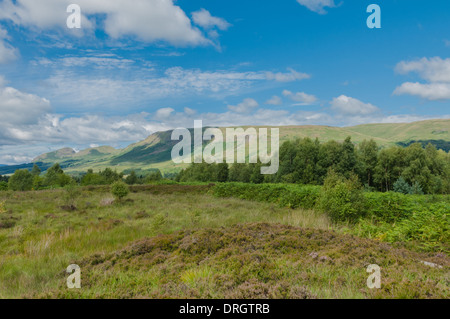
(184, 241)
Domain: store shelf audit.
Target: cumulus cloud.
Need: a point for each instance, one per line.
(350, 106)
(430, 91)
(435, 71)
(86, 129)
(145, 20)
(17, 108)
(300, 97)
(317, 5)
(275, 100)
(245, 106)
(205, 20)
(290, 76)
(164, 113)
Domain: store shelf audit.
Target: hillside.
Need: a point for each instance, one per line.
(155, 151)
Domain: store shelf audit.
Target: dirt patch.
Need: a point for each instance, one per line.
(69, 208)
(7, 224)
(142, 215)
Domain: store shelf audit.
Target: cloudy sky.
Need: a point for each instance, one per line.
(140, 66)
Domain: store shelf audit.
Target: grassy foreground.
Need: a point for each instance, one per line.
(173, 241)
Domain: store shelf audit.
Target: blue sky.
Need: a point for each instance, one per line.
(136, 67)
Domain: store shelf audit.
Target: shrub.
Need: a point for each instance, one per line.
(428, 228)
(401, 186)
(71, 193)
(158, 223)
(38, 182)
(3, 186)
(119, 190)
(292, 196)
(153, 177)
(22, 180)
(342, 199)
(132, 179)
(416, 189)
(392, 207)
(55, 177)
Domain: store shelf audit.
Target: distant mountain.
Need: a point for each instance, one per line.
(69, 153)
(10, 169)
(155, 150)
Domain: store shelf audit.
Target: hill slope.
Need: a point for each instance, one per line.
(155, 151)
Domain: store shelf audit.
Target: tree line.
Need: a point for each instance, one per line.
(55, 177)
(306, 161)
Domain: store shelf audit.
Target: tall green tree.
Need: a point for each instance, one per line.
(330, 155)
(55, 177)
(305, 161)
(131, 179)
(222, 172)
(36, 171)
(367, 158)
(417, 167)
(347, 162)
(390, 165)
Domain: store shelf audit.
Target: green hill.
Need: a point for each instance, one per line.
(155, 151)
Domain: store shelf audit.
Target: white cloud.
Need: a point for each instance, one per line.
(350, 106)
(205, 20)
(72, 81)
(107, 91)
(42, 14)
(164, 113)
(97, 62)
(145, 20)
(275, 100)
(189, 111)
(7, 52)
(17, 108)
(291, 76)
(317, 5)
(245, 106)
(87, 129)
(434, 70)
(430, 91)
(300, 97)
